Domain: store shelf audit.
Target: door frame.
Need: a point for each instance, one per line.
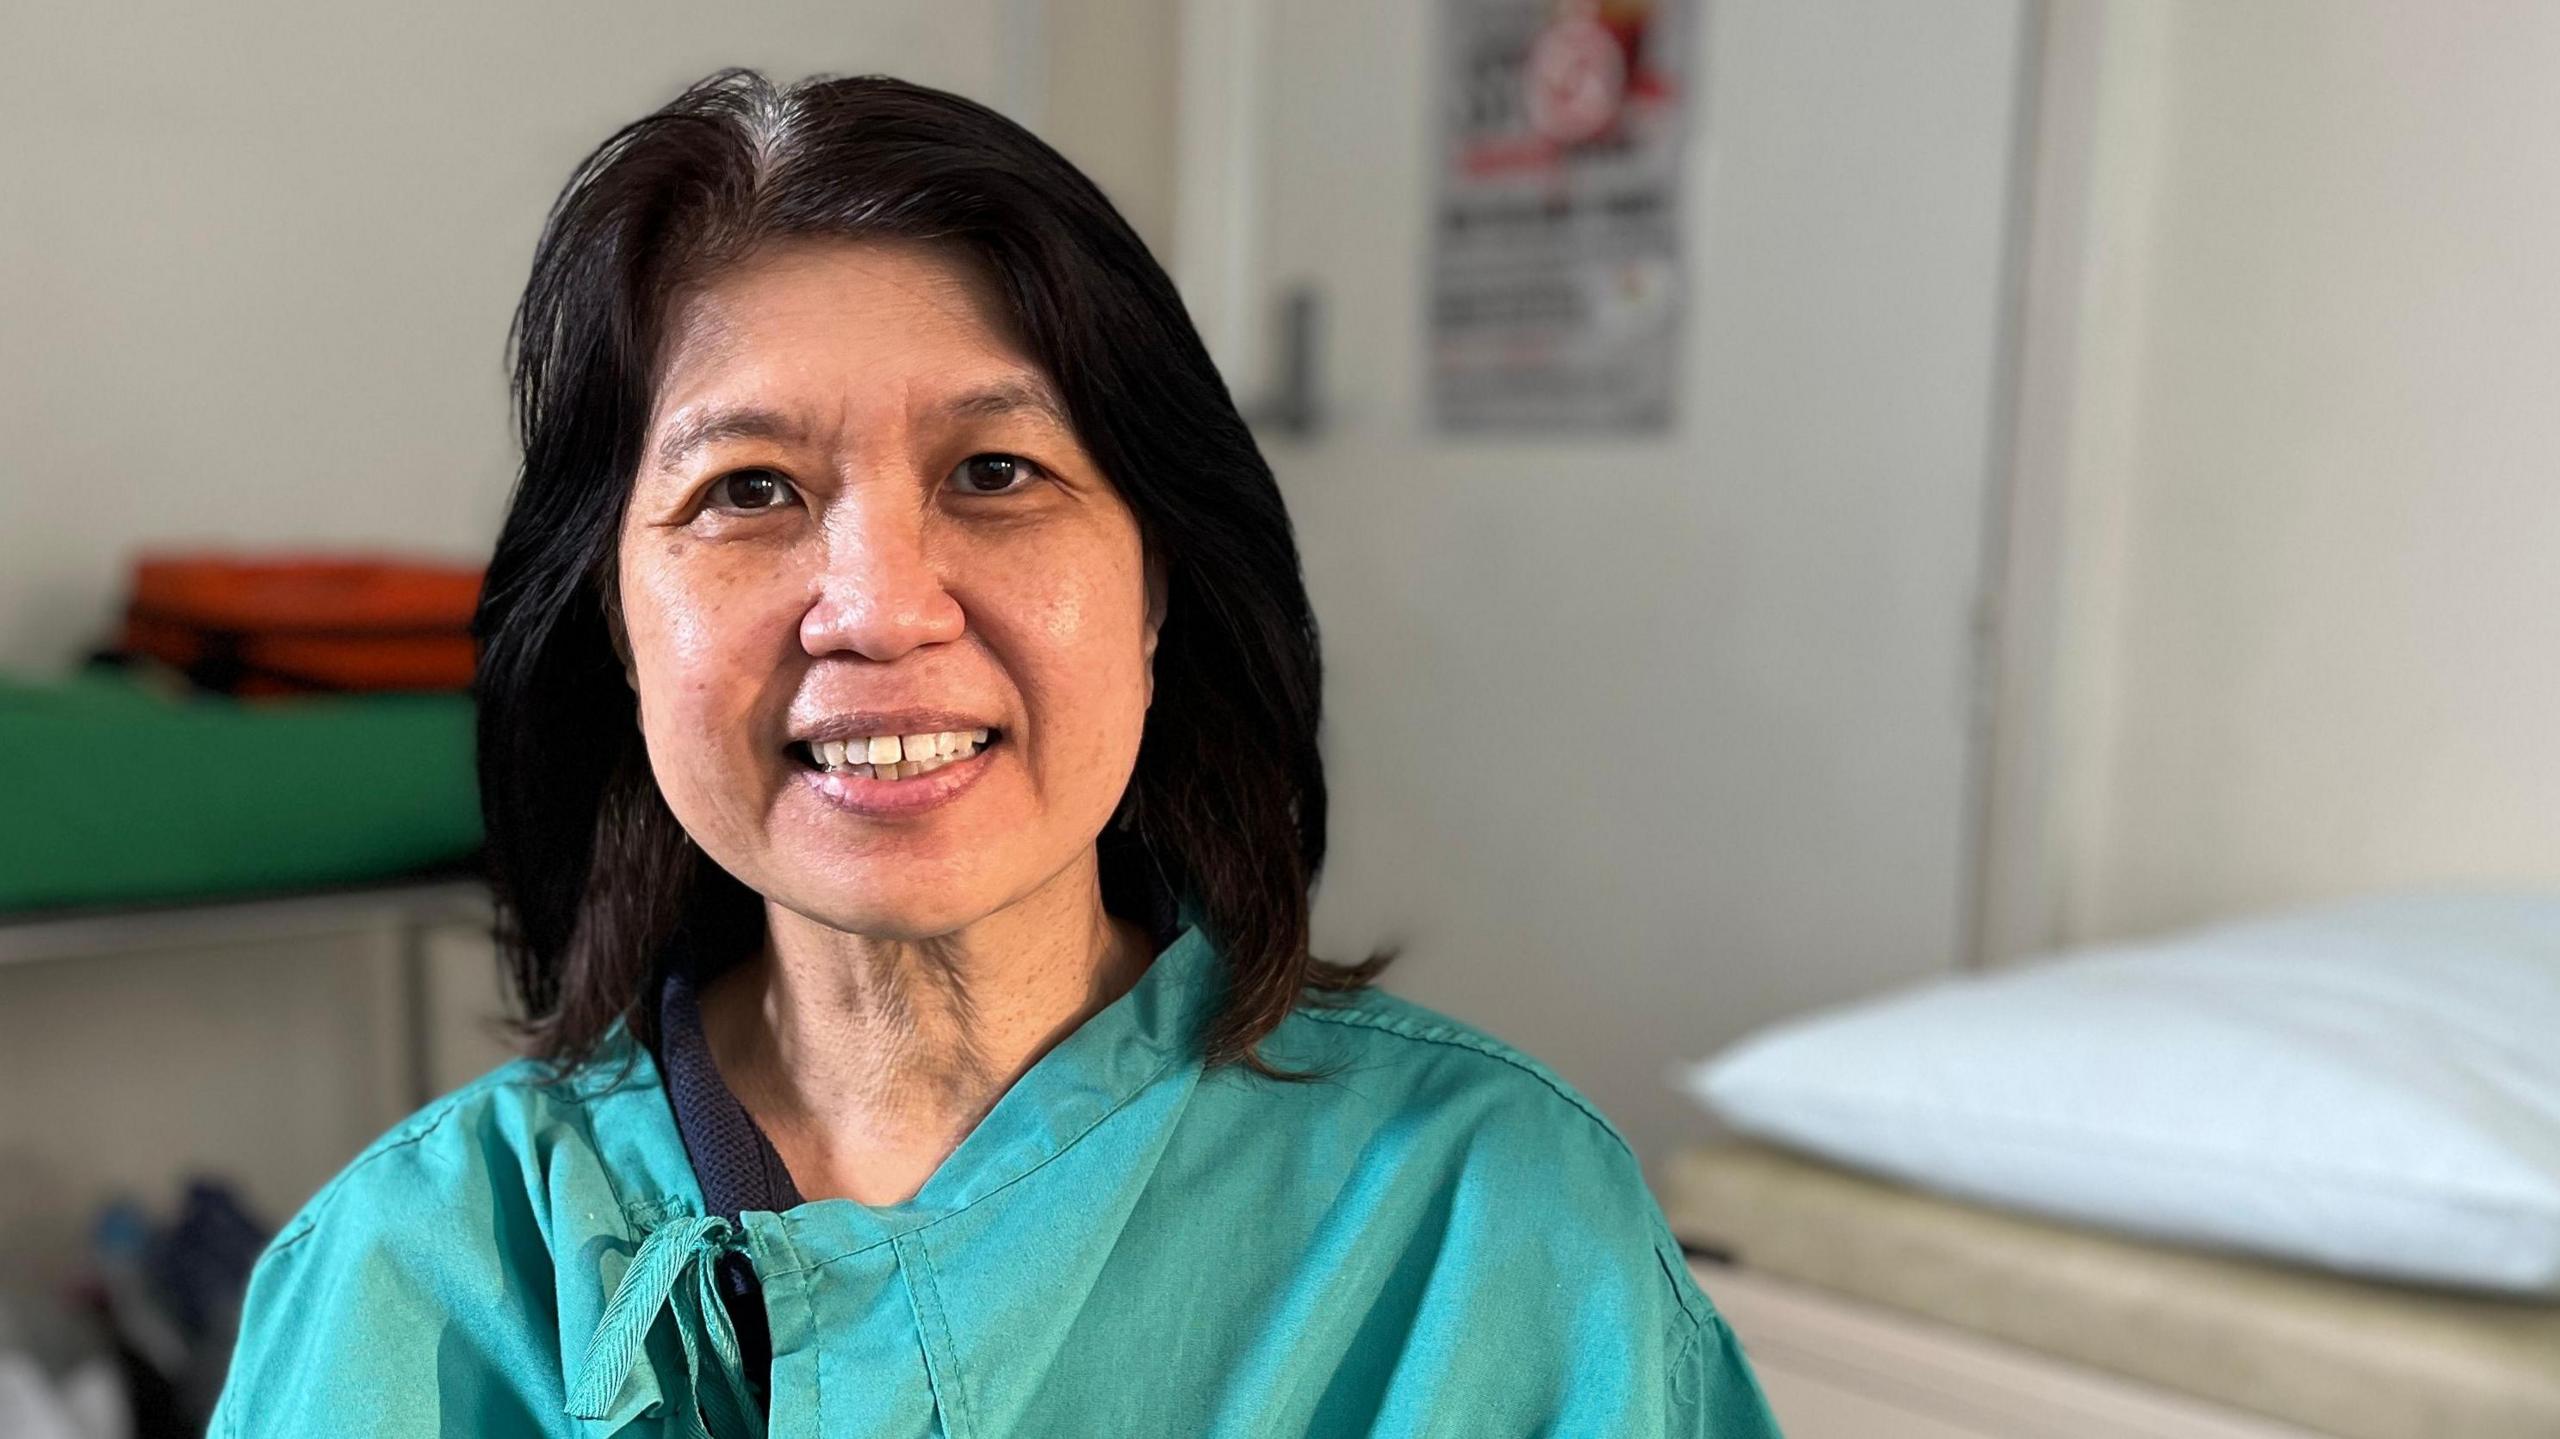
(1218, 179)
(2055, 547)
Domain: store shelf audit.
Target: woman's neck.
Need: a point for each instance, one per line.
(866, 1061)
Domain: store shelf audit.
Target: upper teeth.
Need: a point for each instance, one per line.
(906, 754)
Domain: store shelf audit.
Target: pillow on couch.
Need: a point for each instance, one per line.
(2371, 1087)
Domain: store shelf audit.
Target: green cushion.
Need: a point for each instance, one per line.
(112, 792)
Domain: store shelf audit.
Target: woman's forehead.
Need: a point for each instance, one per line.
(814, 320)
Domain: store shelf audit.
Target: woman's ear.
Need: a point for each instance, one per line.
(621, 642)
(1156, 585)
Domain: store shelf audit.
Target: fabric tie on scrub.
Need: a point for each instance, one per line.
(653, 1285)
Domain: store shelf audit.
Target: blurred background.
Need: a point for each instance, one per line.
(1815, 506)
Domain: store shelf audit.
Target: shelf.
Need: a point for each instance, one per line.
(92, 933)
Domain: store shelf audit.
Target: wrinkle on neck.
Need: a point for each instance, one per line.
(867, 1061)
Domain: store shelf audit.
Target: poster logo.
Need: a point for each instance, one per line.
(1556, 296)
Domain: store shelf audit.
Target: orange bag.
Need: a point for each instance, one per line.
(296, 624)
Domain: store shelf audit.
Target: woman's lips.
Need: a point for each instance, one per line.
(898, 798)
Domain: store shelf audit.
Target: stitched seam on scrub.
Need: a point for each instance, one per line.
(417, 1128)
(929, 1296)
(921, 1225)
(817, 1346)
(1448, 1035)
(804, 1266)
(1683, 1384)
(422, 1126)
(1679, 1291)
(1462, 1039)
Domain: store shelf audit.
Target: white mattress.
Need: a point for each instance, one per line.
(2360, 1360)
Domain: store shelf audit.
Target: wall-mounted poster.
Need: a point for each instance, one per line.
(1555, 253)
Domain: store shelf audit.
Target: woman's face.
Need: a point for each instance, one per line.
(861, 517)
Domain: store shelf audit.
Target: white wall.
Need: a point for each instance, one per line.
(2309, 545)
(1109, 103)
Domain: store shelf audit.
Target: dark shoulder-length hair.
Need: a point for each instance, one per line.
(598, 889)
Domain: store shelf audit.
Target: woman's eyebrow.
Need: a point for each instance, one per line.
(993, 400)
(714, 426)
(1007, 397)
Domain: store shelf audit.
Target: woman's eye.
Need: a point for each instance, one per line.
(751, 490)
(993, 474)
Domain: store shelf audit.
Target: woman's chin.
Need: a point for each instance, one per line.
(902, 919)
(906, 893)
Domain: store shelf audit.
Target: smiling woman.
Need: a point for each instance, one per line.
(898, 709)
(907, 550)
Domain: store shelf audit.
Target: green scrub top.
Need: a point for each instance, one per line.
(1441, 1238)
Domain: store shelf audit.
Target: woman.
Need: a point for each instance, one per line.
(898, 745)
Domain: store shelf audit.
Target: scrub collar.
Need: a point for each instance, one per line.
(733, 1160)
(736, 1164)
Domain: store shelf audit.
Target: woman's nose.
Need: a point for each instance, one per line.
(881, 595)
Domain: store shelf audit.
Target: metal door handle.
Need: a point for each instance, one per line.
(1293, 407)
